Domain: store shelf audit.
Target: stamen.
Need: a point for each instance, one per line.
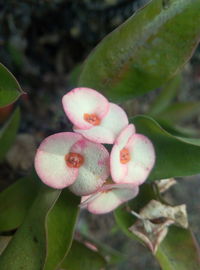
(124, 156)
(93, 119)
(74, 160)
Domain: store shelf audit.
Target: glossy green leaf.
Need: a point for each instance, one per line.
(166, 96)
(193, 141)
(178, 251)
(145, 51)
(27, 249)
(175, 156)
(113, 256)
(178, 130)
(60, 228)
(15, 202)
(8, 133)
(180, 111)
(10, 89)
(81, 257)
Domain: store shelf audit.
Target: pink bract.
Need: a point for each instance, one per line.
(141, 155)
(84, 100)
(96, 169)
(51, 166)
(82, 104)
(111, 125)
(109, 198)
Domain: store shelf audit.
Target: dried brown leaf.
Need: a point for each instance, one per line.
(164, 184)
(154, 220)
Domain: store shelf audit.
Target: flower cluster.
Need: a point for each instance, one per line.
(79, 160)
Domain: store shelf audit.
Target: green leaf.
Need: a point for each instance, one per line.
(164, 99)
(113, 256)
(81, 257)
(145, 51)
(175, 156)
(15, 202)
(178, 251)
(59, 220)
(27, 249)
(8, 133)
(180, 111)
(178, 130)
(60, 228)
(10, 89)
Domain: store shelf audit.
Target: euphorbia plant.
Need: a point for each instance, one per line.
(79, 172)
(69, 159)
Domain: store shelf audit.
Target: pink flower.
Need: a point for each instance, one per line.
(109, 197)
(68, 159)
(93, 116)
(132, 157)
(80, 162)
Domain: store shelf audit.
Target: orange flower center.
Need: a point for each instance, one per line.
(74, 160)
(124, 156)
(92, 118)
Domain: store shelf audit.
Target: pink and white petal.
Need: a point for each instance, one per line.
(84, 100)
(142, 159)
(141, 150)
(96, 134)
(137, 173)
(111, 125)
(95, 169)
(117, 169)
(86, 199)
(125, 135)
(50, 162)
(115, 120)
(110, 200)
